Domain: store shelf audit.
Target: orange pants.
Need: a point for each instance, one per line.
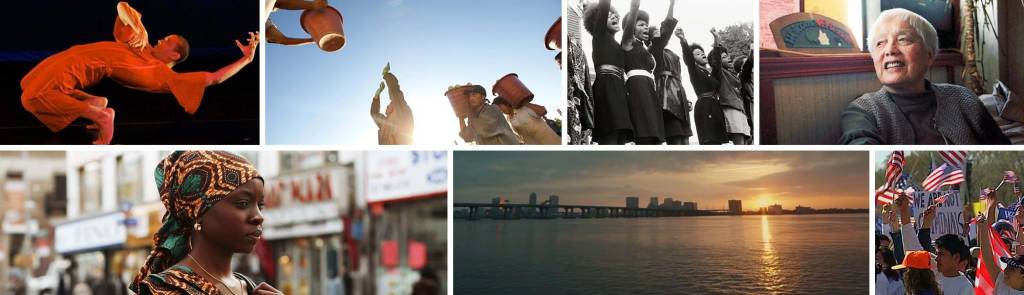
(53, 107)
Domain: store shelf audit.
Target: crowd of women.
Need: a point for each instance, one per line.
(636, 95)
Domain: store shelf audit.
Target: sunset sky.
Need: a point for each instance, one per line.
(808, 178)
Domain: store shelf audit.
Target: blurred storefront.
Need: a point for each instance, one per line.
(303, 225)
(113, 210)
(90, 242)
(407, 196)
(31, 184)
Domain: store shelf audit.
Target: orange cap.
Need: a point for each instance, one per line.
(916, 260)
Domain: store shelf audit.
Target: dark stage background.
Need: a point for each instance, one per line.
(229, 113)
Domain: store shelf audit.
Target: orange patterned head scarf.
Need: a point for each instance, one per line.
(190, 183)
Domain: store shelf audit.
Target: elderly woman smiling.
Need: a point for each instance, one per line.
(910, 109)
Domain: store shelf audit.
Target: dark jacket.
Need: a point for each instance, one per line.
(960, 118)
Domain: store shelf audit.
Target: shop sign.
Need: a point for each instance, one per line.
(395, 175)
(91, 233)
(308, 187)
(301, 221)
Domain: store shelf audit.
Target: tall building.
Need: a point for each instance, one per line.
(553, 204)
(735, 207)
(653, 204)
(667, 203)
(632, 202)
(690, 206)
(775, 209)
(531, 211)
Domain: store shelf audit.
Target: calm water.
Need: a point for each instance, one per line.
(806, 254)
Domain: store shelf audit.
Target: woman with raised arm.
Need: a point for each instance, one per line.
(729, 95)
(707, 112)
(612, 124)
(644, 103)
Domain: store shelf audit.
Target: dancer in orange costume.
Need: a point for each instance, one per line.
(52, 91)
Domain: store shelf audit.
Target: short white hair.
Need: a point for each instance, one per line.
(921, 26)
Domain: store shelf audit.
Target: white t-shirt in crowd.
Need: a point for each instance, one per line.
(884, 286)
(958, 285)
(1002, 288)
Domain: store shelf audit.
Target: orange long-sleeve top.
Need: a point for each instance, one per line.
(82, 66)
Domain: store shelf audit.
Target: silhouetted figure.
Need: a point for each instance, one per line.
(395, 125)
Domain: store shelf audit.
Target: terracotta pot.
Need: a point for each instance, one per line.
(553, 39)
(512, 90)
(459, 100)
(326, 25)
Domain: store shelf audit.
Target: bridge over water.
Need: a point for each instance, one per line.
(541, 211)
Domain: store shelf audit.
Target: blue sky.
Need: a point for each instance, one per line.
(317, 97)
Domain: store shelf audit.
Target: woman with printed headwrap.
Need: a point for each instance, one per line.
(213, 202)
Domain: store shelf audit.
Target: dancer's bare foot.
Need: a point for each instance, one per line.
(103, 118)
(105, 128)
(97, 101)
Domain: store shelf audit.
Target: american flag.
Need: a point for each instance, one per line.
(944, 175)
(984, 193)
(1011, 177)
(895, 168)
(885, 195)
(954, 158)
(986, 282)
(942, 199)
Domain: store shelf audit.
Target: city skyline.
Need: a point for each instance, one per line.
(606, 178)
(515, 200)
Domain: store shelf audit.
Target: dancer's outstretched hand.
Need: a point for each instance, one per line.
(249, 49)
(140, 39)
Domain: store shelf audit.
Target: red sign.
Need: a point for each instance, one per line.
(389, 253)
(312, 187)
(417, 255)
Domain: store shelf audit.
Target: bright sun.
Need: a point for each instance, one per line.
(435, 124)
(763, 201)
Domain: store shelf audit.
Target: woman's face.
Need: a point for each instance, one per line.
(900, 56)
(236, 222)
(613, 21)
(641, 30)
(726, 59)
(699, 57)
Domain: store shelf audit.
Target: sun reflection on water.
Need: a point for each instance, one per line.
(771, 275)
